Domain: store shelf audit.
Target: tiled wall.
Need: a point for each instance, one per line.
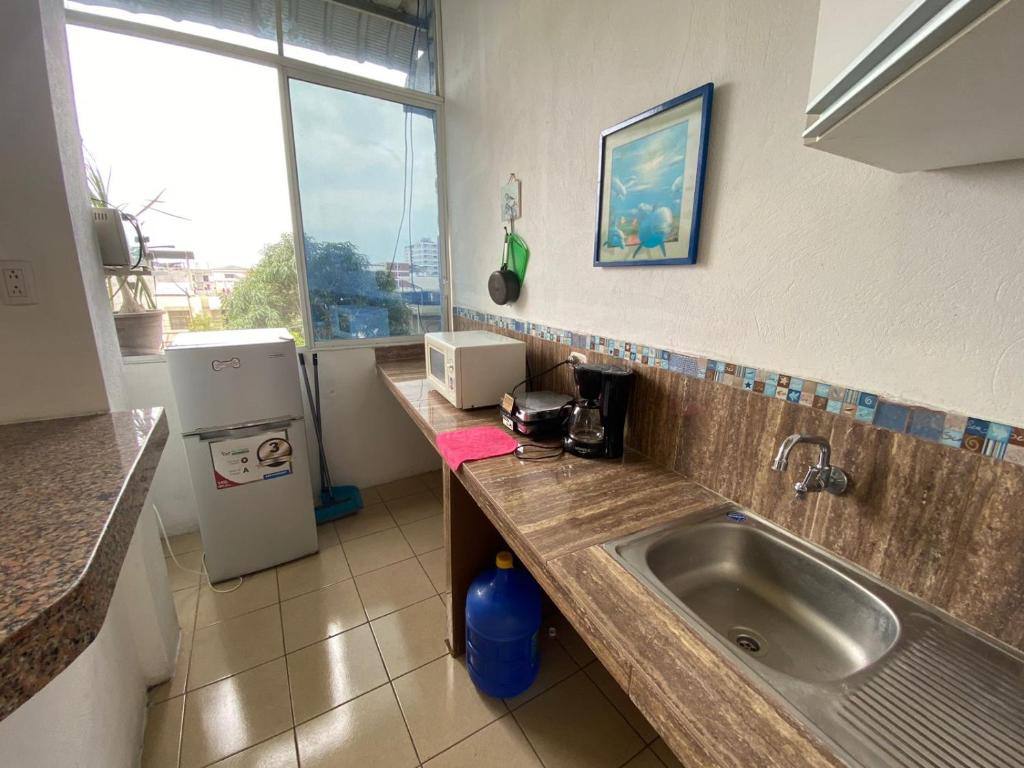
(970, 433)
(944, 524)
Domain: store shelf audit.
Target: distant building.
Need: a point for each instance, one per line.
(185, 291)
(425, 257)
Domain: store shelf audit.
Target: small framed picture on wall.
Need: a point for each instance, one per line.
(651, 184)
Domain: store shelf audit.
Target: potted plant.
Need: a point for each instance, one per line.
(139, 322)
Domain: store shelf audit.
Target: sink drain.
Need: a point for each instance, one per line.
(748, 643)
(748, 640)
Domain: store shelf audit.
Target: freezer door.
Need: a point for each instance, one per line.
(222, 385)
(260, 517)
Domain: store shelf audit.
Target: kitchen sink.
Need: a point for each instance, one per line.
(888, 679)
(792, 612)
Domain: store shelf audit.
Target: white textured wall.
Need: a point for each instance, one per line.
(908, 285)
(92, 714)
(369, 438)
(59, 356)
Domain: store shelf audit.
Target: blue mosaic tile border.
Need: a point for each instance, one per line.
(970, 433)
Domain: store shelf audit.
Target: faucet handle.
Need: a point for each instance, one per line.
(830, 479)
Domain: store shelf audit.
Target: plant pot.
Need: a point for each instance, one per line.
(140, 333)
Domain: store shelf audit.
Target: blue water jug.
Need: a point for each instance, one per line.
(502, 623)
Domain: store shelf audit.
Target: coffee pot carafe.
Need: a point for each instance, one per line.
(598, 418)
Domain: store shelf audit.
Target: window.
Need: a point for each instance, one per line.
(201, 134)
(181, 113)
(391, 42)
(388, 41)
(368, 189)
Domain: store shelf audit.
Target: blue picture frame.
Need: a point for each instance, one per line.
(643, 218)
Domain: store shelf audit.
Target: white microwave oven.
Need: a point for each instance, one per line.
(473, 369)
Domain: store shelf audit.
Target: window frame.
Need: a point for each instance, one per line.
(289, 68)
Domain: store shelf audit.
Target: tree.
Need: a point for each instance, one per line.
(268, 296)
(342, 287)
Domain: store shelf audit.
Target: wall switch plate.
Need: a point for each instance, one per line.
(17, 283)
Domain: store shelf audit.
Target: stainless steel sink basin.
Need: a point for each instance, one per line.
(889, 680)
(792, 612)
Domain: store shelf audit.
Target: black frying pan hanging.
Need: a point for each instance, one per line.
(504, 283)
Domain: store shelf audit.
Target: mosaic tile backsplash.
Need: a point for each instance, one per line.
(969, 433)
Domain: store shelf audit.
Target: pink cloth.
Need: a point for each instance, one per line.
(471, 443)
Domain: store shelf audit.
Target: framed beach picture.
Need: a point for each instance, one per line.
(651, 183)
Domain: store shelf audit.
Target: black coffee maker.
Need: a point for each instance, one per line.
(598, 417)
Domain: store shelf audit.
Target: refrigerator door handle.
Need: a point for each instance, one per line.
(243, 430)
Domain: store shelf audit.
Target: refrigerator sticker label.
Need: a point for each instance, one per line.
(241, 460)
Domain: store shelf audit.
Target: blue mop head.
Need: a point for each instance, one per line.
(347, 501)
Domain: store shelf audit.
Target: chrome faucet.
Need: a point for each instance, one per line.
(821, 476)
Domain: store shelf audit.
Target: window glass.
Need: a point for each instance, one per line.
(392, 42)
(193, 144)
(368, 189)
(252, 23)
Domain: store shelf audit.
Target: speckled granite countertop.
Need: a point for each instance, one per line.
(556, 515)
(70, 496)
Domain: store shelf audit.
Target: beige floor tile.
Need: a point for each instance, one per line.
(185, 608)
(436, 565)
(660, 748)
(368, 732)
(370, 519)
(425, 535)
(394, 587)
(500, 745)
(409, 509)
(573, 643)
(412, 636)
(645, 759)
(573, 726)
(620, 700)
(370, 495)
(235, 713)
(231, 646)
(369, 553)
(334, 671)
(442, 706)
(256, 591)
(176, 685)
(163, 733)
(278, 752)
(396, 489)
(188, 575)
(326, 536)
(555, 665)
(186, 542)
(312, 572)
(320, 614)
(432, 481)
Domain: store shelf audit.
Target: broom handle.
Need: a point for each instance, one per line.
(316, 425)
(329, 485)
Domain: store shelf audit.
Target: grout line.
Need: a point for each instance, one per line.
(188, 671)
(251, 746)
(287, 673)
(528, 742)
(391, 684)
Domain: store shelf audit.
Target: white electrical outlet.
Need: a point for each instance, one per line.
(17, 283)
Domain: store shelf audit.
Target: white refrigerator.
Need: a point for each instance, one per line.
(245, 440)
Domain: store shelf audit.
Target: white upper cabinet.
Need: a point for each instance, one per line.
(921, 85)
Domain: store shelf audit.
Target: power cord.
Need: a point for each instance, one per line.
(538, 451)
(204, 572)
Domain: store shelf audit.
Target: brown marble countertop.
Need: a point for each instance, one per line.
(70, 497)
(555, 515)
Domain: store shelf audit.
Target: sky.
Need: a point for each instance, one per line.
(207, 129)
